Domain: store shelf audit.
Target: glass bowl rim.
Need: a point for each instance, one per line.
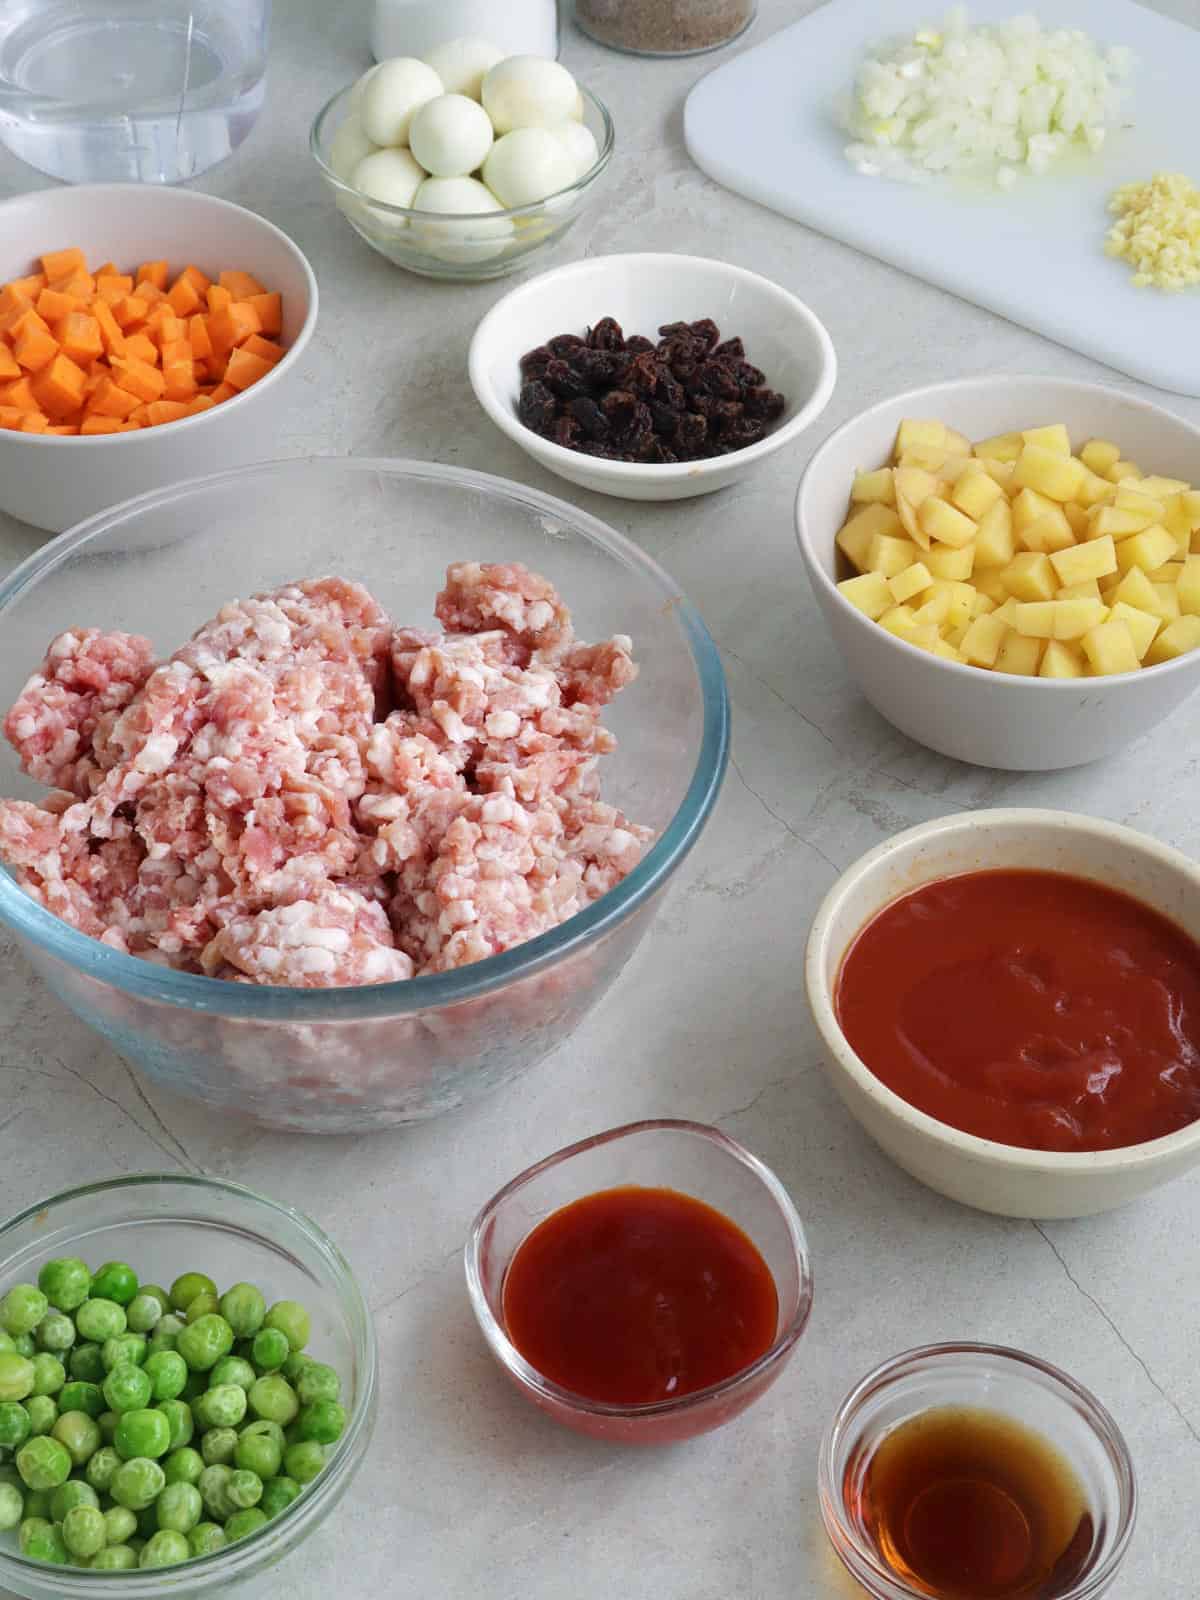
(359, 1423)
(409, 214)
(268, 1003)
(899, 1368)
(530, 1378)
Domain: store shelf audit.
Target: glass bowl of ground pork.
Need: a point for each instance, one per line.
(337, 792)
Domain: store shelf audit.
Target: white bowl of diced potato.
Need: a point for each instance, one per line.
(1006, 565)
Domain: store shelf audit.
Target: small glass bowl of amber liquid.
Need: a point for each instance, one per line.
(972, 1472)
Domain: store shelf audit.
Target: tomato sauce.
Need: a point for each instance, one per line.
(634, 1295)
(1032, 1008)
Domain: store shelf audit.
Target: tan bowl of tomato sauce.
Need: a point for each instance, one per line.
(1027, 1047)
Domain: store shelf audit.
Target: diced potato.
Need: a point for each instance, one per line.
(1055, 438)
(960, 598)
(1176, 639)
(913, 485)
(995, 545)
(1099, 455)
(1169, 572)
(1049, 533)
(899, 620)
(1117, 524)
(1135, 500)
(975, 492)
(1190, 502)
(1095, 559)
(946, 562)
(890, 555)
(958, 442)
(1166, 597)
(999, 471)
(1109, 648)
(1077, 519)
(946, 650)
(914, 433)
(909, 582)
(1058, 619)
(955, 636)
(1019, 655)
(874, 487)
(935, 608)
(982, 640)
(1008, 611)
(1029, 576)
(1136, 589)
(1034, 618)
(1001, 447)
(1142, 625)
(1094, 490)
(925, 636)
(941, 521)
(869, 593)
(854, 540)
(1029, 506)
(1121, 470)
(1062, 661)
(989, 583)
(1088, 589)
(1160, 488)
(1178, 523)
(1057, 476)
(1148, 549)
(929, 458)
(982, 604)
(1187, 587)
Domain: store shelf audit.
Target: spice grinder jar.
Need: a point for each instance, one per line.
(664, 27)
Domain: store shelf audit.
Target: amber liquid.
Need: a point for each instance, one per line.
(967, 1504)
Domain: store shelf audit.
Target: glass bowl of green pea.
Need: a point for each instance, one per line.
(188, 1383)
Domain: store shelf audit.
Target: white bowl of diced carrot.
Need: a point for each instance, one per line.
(146, 336)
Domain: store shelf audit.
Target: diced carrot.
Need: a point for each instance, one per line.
(99, 424)
(259, 346)
(198, 280)
(64, 428)
(270, 312)
(138, 378)
(214, 368)
(35, 422)
(113, 286)
(18, 394)
(223, 391)
(150, 293)
(154, 272)
(142, 348)
(14, 298)
(130, 312)
(218, 299)
(78, 336)
(172, 330)
(245, 368)
(202, 402)
(232, 326)
(141, 417)
(31, 286)
(8, 364)
(58, 389)
(179, 380)
(28, 319)
(34, 346)
(198, 338)
(109, 269)
(111, 336)
(241, 285)
(10, 416)
(79, 285)
(52, 304)
(166, 411)
(176, 350)
(60, 263)
(111, 401)
(183, 297)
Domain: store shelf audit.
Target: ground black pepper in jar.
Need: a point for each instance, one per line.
(664, 27)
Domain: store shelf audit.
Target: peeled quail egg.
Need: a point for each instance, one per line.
(450, 136)
(527, 92)
(360, 88)
(577, 112)
(579, 145)
(350, 146)
(389, 175)
(396, 91)
(474, 236)
(462, 64)
(527, 165)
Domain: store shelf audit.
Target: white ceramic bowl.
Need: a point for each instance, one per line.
(55, 482)
(991, 718)
(781, 334)
(978, 1172)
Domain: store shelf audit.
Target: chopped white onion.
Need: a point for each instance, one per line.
(987, 101)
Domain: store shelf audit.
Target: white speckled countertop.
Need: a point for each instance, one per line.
(468, 1491)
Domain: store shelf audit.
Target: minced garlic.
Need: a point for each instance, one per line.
(1159, 231)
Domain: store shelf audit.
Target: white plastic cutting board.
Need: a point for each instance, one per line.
(763, 125)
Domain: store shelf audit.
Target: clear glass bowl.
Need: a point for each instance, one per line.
(992, 1378)
(692, 1159)
(343, 1060)
(163, 1226)
(464, 249)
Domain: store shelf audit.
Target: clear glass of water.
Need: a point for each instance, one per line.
(143, 91)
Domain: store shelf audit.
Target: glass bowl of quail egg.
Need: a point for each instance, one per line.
(463, 164)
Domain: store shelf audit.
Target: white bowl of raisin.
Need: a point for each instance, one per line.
(652, 377)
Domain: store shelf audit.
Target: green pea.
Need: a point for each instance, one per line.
(85, 1397)
(296, 1365)
(107, 1421)
(12, 1506)
(159, 1294)
(242, 1523)
(144, 1432)
(99, 1320)
(179, 1421)
(166, 1331)
(184, 1465)
(14, 1424)
(123, 1348)
(218, 1446)
(257, 1453)
(49, 1374)
(78, 1433)
(86, 1363)
(128, 1388)
(55, 1333)
(222, 1407)
(83, 1531)
(44, 1463)
(75, 1492)
(24, 1344)
(205, 1539)
(42, 1412)
(66, 1282)
(304, 1460)
(270, 1349)
(114, 1558)
(186, 1287)
(244, 1309)
(7, 1346)
(115, 1281)
(23, 1307)
(212, 1487)
(318, 1382)
(165, 1549)
(274, 1399)
(232, 1369)
(102, 1468)
(204, 1305)
(262, 1425)
(203, 1342)
(143, 1313)
(244, 1488)
(168, 1374)
(42, 1541)
(278, 1494)
(17, 1376)
(290, 1317)
(37, 1502)
(180, 1507)
(119, 1523)
(137, 1483)
(322, 1421)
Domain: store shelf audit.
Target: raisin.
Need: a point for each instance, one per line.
(763, 403)
(748, 375)
(740, 432)
(590, 418)
(534, 362)
(606, 335)
(707, 332)
(636, 345)
(599, 368)
(664, 419)
(563, 344)
(537, 407)
(643, 374)
(564, 381)
(718, 379)
(733, 348)
(567, 432)
(594, 447)
(693, 432)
